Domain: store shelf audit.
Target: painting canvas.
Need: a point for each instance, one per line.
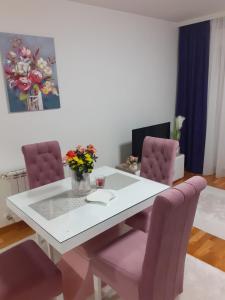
(29, 68)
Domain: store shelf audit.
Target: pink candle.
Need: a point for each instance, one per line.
(100, 182)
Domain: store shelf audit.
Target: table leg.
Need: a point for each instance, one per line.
(50, 251)
(60, 297)
(38, 239)
(97, 287)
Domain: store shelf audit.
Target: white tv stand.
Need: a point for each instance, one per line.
(179, 167)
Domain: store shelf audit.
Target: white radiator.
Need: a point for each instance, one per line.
(11, 183)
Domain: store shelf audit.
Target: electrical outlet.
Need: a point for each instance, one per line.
(9, 218)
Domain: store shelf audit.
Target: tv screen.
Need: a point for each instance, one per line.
(138, 135)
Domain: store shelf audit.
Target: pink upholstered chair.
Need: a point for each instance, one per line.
(43, 163)
(142, 266)
(157, 163)
(26, 273)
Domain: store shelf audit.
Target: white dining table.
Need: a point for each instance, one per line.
(66, 222)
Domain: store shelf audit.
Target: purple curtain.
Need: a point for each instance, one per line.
(192, 92)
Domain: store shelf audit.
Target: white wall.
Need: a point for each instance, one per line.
(116, 72)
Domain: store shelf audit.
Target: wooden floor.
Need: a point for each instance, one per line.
(207, 248)
(202, 245)
(13, 233)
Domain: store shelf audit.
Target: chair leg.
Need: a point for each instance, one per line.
(97, 288)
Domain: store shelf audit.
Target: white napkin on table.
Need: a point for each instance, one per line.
(102, 196)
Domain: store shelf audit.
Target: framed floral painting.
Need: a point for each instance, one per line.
(29, 68)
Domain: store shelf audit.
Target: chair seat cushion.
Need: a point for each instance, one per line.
(27, 273)
(120, 263)
(141, 221)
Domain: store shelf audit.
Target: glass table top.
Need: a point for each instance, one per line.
(61, 204)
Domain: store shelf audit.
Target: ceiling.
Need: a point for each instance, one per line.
(170, 10)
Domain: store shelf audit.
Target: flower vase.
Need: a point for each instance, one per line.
(80, 186)
(34, 102)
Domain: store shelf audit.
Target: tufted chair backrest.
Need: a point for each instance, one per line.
(158, 159)
(43, 163)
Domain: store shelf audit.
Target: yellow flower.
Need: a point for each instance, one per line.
(88, 157)
(80, 162)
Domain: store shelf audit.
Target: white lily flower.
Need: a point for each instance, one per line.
(22, 68)
(179, 122)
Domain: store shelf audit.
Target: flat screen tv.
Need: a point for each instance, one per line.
(138, 135)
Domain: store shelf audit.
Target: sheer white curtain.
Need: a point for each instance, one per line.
(214, 160)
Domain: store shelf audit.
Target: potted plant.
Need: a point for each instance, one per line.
(177, 128)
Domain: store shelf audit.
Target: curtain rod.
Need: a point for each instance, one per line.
(202, 19)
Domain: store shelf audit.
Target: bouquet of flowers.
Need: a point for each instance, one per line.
(81, 160)
(27, 72)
